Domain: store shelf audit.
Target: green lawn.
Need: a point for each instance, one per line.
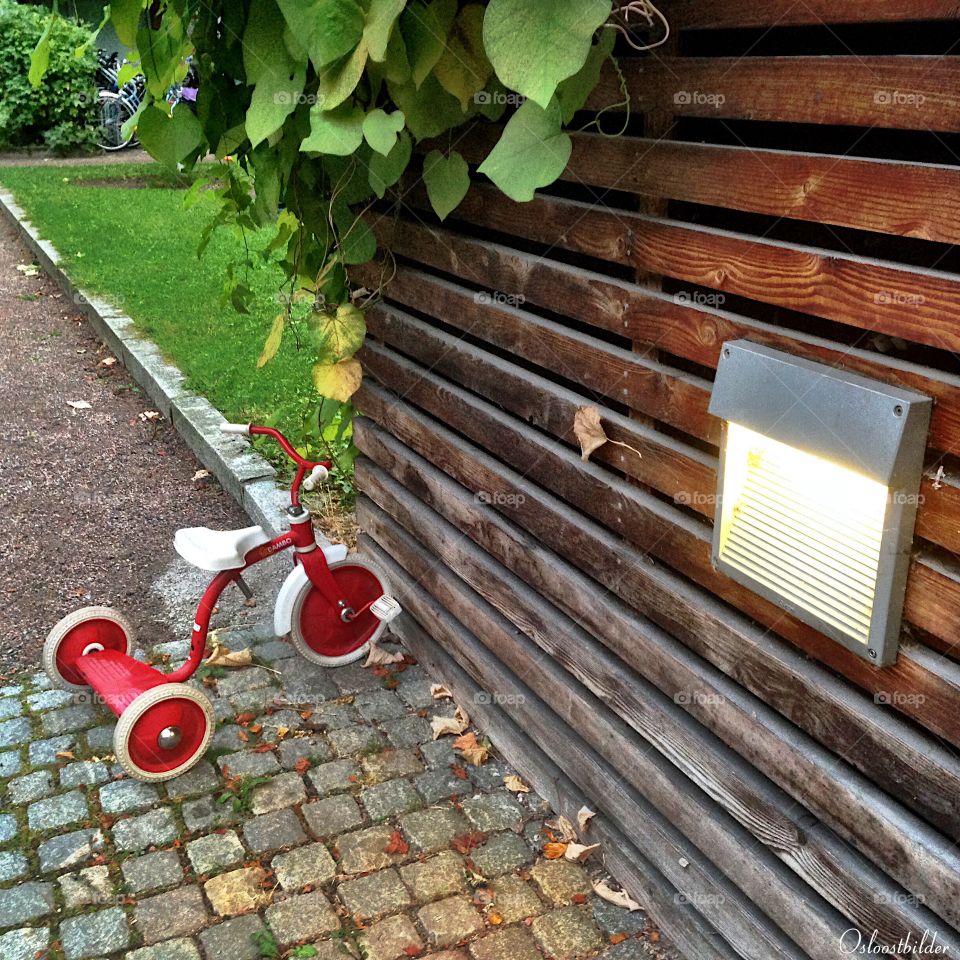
(138, 247)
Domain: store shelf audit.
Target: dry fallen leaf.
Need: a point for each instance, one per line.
(148, 416)
(201, 475)
(584, 816)
(514, 784)
(554, 851)
(28, 269)
(225, 657)
(455, 724)
(378, 655)
(79, 405)
(564, 827)
(578, 852)
(108, 362)
(619, 898)
(588, 429)
(439, 692)
(472, 751)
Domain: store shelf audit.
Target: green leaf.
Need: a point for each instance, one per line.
(272, 344)
(338, 381)
(338, 132)
(339, 335)
(263, 40)
(327, 29)
(356, 242)
(340, 79)
(275, 97)
(430, 110)
(381, 129)
(172, 139)
(573, 92)
(425, 30)
(125, 17)
(40, 58)
(385, 171)
(534, 44)
(381, 17)
(532, 151)
(463, 69)
(447, 180)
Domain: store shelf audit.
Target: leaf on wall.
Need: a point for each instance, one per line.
(447, 180)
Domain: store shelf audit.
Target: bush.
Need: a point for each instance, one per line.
(60, 114)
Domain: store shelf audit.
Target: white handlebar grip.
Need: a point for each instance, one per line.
(317, 475)
(235, 428)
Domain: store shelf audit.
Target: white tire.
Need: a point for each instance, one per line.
(60, 631)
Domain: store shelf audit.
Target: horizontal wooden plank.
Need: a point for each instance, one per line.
(899, 843)
(671, 910)
(926, 688)
(919, 200)
(769, 885)
(716, 14)
(898, 92)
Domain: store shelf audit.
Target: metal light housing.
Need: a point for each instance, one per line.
(818, 490)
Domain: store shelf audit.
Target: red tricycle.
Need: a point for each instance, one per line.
(332, 607)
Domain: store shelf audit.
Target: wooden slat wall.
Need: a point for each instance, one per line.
(806, 791)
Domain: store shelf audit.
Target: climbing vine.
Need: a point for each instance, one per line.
(314, 108)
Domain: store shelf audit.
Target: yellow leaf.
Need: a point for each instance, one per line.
(514, 784)
(455, 724)
(473, 752)
(589, 431)
(339, 335)
(224, 657)
(272, 344)
(578, 852)
(554, 851)
(495, 919)
(338, 381)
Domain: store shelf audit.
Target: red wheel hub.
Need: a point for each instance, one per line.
(320, 624)
(87, 636)
(178, 714)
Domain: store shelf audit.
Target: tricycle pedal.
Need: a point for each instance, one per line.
(385, 608)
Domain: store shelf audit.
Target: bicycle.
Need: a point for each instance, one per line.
(333, 607)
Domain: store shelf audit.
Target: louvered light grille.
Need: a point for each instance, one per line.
(803, 527)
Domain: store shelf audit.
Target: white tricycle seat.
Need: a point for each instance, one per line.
(217, 549)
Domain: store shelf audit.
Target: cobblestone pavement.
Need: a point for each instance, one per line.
(324, 822)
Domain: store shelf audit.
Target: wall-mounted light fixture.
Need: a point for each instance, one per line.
(818, 489)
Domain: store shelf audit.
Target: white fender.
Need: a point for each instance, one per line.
(283, 611)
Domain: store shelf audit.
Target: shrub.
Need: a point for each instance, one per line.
(61, 112)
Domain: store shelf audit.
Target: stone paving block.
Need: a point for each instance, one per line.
(306, 683)
(43, 753)
(59, 811)
(440, 876)
(12, 690)
(332, 716)
(561, 880)
(40, 681)
(310, 864)
(315, 749)
(390, 764)
(439, 753)
(449, 921)
(67, 719)
(233, 939)
(31, 787)
(252, 701)
(355, 678)
(334, 777)
(179, 913)
(414, 690)
(502, 853)
(28, 943)
(376, 705)
(8, 827)
(365, 850)
(94, 934)
(284, 790)
(100, 739)
(248, 763)
(10, 763)
(433, 829)
(612, 919)
(25, 902)
(69, 849)
(205, 813)
(239, 891)
(87, 772)
(12, 866)
(216, 851)
(227, 737)
(14, 732)
(9, 708)
(273, 831)
(489, 776)
(88, 887)
(181, 949)
(156, 828)
(375, 894)
(441, 783)
(391, 939)
(152, 871)
(223, 709)
(568, 932)
(359, 738)
(278, 725)
(514, 942)
(128, 796)
(304, 917)
(332, 815)
(275, 650)
(409, 731)
(494, 811)
(390, 798)
(238, 681)
(174, 649)
(49, 700)
(515, 899)
(199, 779)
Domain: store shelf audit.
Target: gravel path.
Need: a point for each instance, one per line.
(90, 498)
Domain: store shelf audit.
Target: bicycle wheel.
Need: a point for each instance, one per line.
(113, 113)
